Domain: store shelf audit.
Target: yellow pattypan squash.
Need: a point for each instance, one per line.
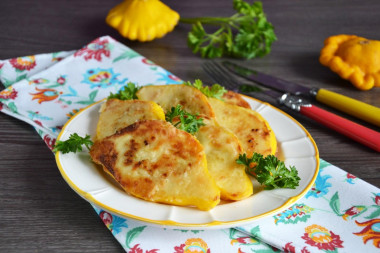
(353, 58)
(142, 20)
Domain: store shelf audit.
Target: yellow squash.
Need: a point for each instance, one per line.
(222, 149)
(191, 99)
(155, 161)
(142, 20)
(354, 58)
(250, 128)
(116, 114)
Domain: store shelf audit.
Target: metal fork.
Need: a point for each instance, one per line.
(346, 127)
(221, 76)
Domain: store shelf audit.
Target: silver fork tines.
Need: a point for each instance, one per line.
(220, 75)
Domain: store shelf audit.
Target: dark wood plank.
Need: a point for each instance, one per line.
(40, 213)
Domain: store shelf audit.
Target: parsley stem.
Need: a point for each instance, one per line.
(205, 20)
(235, 19)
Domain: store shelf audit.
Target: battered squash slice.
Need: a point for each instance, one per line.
(153, 160)
(168, 96)
(222, 148)
(252, 130)
(116, 114)
(234, 98)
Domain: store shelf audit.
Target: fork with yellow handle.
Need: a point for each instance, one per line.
(346, 127)
(340, 102)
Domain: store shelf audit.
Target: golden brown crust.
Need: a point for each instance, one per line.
(153, 160)
(235, 99)
(250, 127)
(116, 114)
(105, 154)
(168, 96)
(222, 149)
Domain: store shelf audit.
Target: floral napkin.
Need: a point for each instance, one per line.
(341, 213)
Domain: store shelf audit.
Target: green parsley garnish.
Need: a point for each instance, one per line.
(128, 93)
(73, 144)
(246, 34)
(270, 171)
(215, 91)
(187, 122)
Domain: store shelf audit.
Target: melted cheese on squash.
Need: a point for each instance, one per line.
(153, 160)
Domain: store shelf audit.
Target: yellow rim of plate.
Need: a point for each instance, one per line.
(91, 199)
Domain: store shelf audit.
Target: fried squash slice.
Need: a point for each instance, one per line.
(222, 148)
(235, 99)
(167, 96)
(155, 161)
(252, 130)
(116, 114)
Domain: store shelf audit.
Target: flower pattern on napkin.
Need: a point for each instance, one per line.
(341, 213)
(70, 81)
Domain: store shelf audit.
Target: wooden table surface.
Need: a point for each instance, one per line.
(39, 211)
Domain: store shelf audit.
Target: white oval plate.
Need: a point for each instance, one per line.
(296, 147)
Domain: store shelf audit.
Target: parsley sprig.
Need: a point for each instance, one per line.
(73, 144)
(187, 122)
(246, 34)
(270, 171)
(215, 91)
(127, 93)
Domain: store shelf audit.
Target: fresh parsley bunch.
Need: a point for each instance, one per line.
(215, 91)
(127, 93)
(246, 34)
(187, 122)
(270, 171)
